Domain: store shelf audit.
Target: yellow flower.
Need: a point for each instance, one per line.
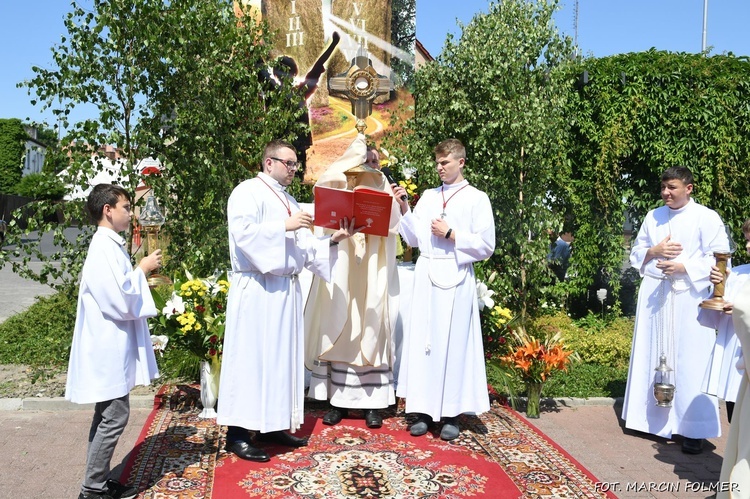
(505, 312)
(410, 186)
(197, 324)
(186, 318)
(503, 315)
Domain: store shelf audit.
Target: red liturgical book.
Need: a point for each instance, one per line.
(370, 208)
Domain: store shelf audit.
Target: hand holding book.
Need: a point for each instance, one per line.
(369, 207)
(347, 230)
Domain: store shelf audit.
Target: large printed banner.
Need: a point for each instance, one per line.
(319, 41)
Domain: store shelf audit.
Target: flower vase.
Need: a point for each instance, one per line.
(408, 254)
(209, 388)
(533, 399)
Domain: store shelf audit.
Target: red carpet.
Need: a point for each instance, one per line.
(497, 455)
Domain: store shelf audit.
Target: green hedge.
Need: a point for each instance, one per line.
(604, 341)
(41, 186)
(587, 380)
(12, 137)
(42, 334)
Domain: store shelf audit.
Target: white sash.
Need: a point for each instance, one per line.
(443, 271)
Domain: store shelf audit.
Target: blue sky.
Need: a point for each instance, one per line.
(29, 29)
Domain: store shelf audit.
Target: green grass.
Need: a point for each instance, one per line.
(579, 381)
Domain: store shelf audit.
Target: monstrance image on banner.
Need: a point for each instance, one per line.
(321, 41)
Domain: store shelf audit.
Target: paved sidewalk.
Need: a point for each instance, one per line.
(44, 451)
(629, 463)
(17, 293)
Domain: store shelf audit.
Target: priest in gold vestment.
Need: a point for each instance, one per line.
(349, 321)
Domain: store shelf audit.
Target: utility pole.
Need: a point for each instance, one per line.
(705, 17)
(575, 28)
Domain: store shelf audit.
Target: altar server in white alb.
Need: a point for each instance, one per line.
(727, 364)
(112, 350)
(270, 242)
(443, 373)
(674, 254)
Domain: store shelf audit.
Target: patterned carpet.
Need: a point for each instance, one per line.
(498, 455)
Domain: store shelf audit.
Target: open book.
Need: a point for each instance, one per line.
(371, 208)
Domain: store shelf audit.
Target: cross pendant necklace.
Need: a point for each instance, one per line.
(445, 201)
(286, 204)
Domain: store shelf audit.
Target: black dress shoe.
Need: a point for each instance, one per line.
(373, 418)
(692, 445)
(281, 438)
(244, 450)
(335, 415)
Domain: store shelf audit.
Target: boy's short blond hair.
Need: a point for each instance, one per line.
(746, 227)
(450, 146)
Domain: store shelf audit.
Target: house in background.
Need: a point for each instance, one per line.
(421, 55)
(111, 168)
(33, 158)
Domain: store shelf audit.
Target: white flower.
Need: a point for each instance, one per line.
(408, 172)
(484, 296)
(212, 283)
(392, 160)
(159, 343)
(174, 306)
(601, 295)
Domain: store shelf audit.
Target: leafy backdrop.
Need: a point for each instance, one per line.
(550, 136)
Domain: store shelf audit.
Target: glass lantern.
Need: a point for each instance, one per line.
(151, 219)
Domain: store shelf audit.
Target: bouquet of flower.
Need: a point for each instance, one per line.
(535, 360)
(194, 316)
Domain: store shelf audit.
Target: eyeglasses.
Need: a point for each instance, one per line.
(290, 165)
